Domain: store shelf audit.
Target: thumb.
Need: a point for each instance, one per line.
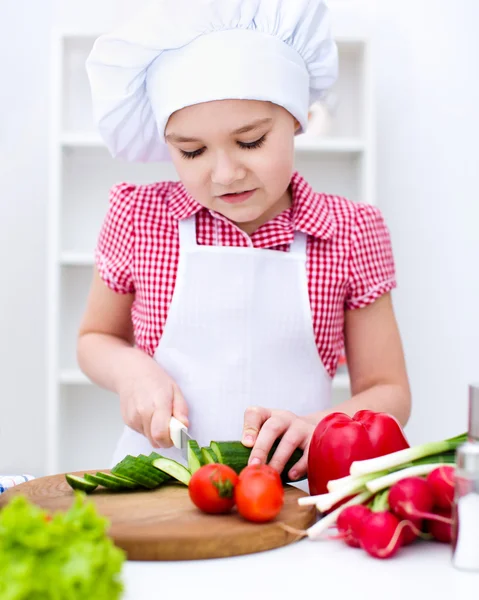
(254, 417)
(179, 406)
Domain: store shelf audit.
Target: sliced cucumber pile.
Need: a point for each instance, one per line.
(153, 471)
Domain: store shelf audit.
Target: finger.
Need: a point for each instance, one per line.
(180, 408)
(297, 436)
(299, 469)
(292, 439)
(254, 417)
(271, 430)
(160, 421)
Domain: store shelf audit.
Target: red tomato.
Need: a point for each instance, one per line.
(212, 488)
(259, 493)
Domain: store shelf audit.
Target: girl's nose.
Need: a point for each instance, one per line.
(226, 170)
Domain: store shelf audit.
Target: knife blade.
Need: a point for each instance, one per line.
(180, 436)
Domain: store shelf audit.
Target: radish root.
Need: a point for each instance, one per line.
(300, 533)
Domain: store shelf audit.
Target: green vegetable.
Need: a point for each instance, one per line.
(236, 456)
(403, 457)
(80, 483)
(67, 556)
(173, 469)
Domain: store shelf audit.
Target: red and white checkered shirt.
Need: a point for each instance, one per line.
(349, 255)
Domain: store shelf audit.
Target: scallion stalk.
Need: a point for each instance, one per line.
(386, 481)
(403, 457)
(326, 501)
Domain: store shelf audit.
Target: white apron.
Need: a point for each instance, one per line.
(239, 333)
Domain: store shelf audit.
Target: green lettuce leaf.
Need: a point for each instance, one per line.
(67, 556)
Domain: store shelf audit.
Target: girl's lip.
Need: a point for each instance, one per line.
(237, 198)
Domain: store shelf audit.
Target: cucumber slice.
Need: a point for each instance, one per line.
(147, 463)
(195, 458)
(79, 483)
(208, 455)
(94, 479)
(107, 482)
(125, 482)
(132, 469)
(173, 469)
(236, 456)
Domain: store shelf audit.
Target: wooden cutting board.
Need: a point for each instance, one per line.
(164, 524)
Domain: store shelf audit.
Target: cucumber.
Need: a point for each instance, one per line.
(125, 482)
(236, 456)
(173, 469)
(147, 463)
(79, 483)
(195, 458)
(132, 469)
(106, 482)
(208, 455)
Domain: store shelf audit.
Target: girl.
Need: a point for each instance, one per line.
(225, 299)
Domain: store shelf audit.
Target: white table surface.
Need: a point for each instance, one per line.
(307, 569)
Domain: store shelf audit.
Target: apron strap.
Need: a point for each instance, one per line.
(187, 230)
(298, 247)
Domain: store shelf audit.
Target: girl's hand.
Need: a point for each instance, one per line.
(263, 426)
(148, 399)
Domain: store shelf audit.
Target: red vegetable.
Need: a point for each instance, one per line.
(212, 488)
(339, 440)
(259, 493)
(411, 531)
(411, 498)
(441, 482)
(442, 532)
(381, 535)
(350, 523)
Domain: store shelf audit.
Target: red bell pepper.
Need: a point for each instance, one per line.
(339, 440)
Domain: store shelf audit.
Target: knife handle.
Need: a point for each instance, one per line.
(175, 431)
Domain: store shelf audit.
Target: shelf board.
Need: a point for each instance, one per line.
(81, 139)
(329, 145)
(74, 377)
(76, 259)
(304, 143)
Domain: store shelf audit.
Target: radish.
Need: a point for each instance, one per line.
(381, 535)
(411, 498)
(440, 531)
(441, 482)
(350, 523)
(412, 529)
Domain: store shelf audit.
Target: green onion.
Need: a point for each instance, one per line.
(403, 457)
(344, 482)
(325, 501)
(380, 502)
(387, 481)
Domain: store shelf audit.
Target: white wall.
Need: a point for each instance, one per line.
(428, 130)
(428, 165)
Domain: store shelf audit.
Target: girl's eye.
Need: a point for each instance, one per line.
(252, 145)
(193, 154)
(247, 146)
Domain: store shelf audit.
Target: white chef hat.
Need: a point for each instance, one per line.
(177, 53)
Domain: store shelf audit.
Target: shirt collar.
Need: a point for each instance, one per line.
(309, 213)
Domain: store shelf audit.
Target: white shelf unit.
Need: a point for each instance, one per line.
(83, 420)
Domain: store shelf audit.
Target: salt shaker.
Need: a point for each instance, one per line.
(465, 526)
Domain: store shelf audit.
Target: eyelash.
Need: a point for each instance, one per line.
(250, 146)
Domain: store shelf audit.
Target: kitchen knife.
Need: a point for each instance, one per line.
(180, 436)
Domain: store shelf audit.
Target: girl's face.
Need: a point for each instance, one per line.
(235, 157)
